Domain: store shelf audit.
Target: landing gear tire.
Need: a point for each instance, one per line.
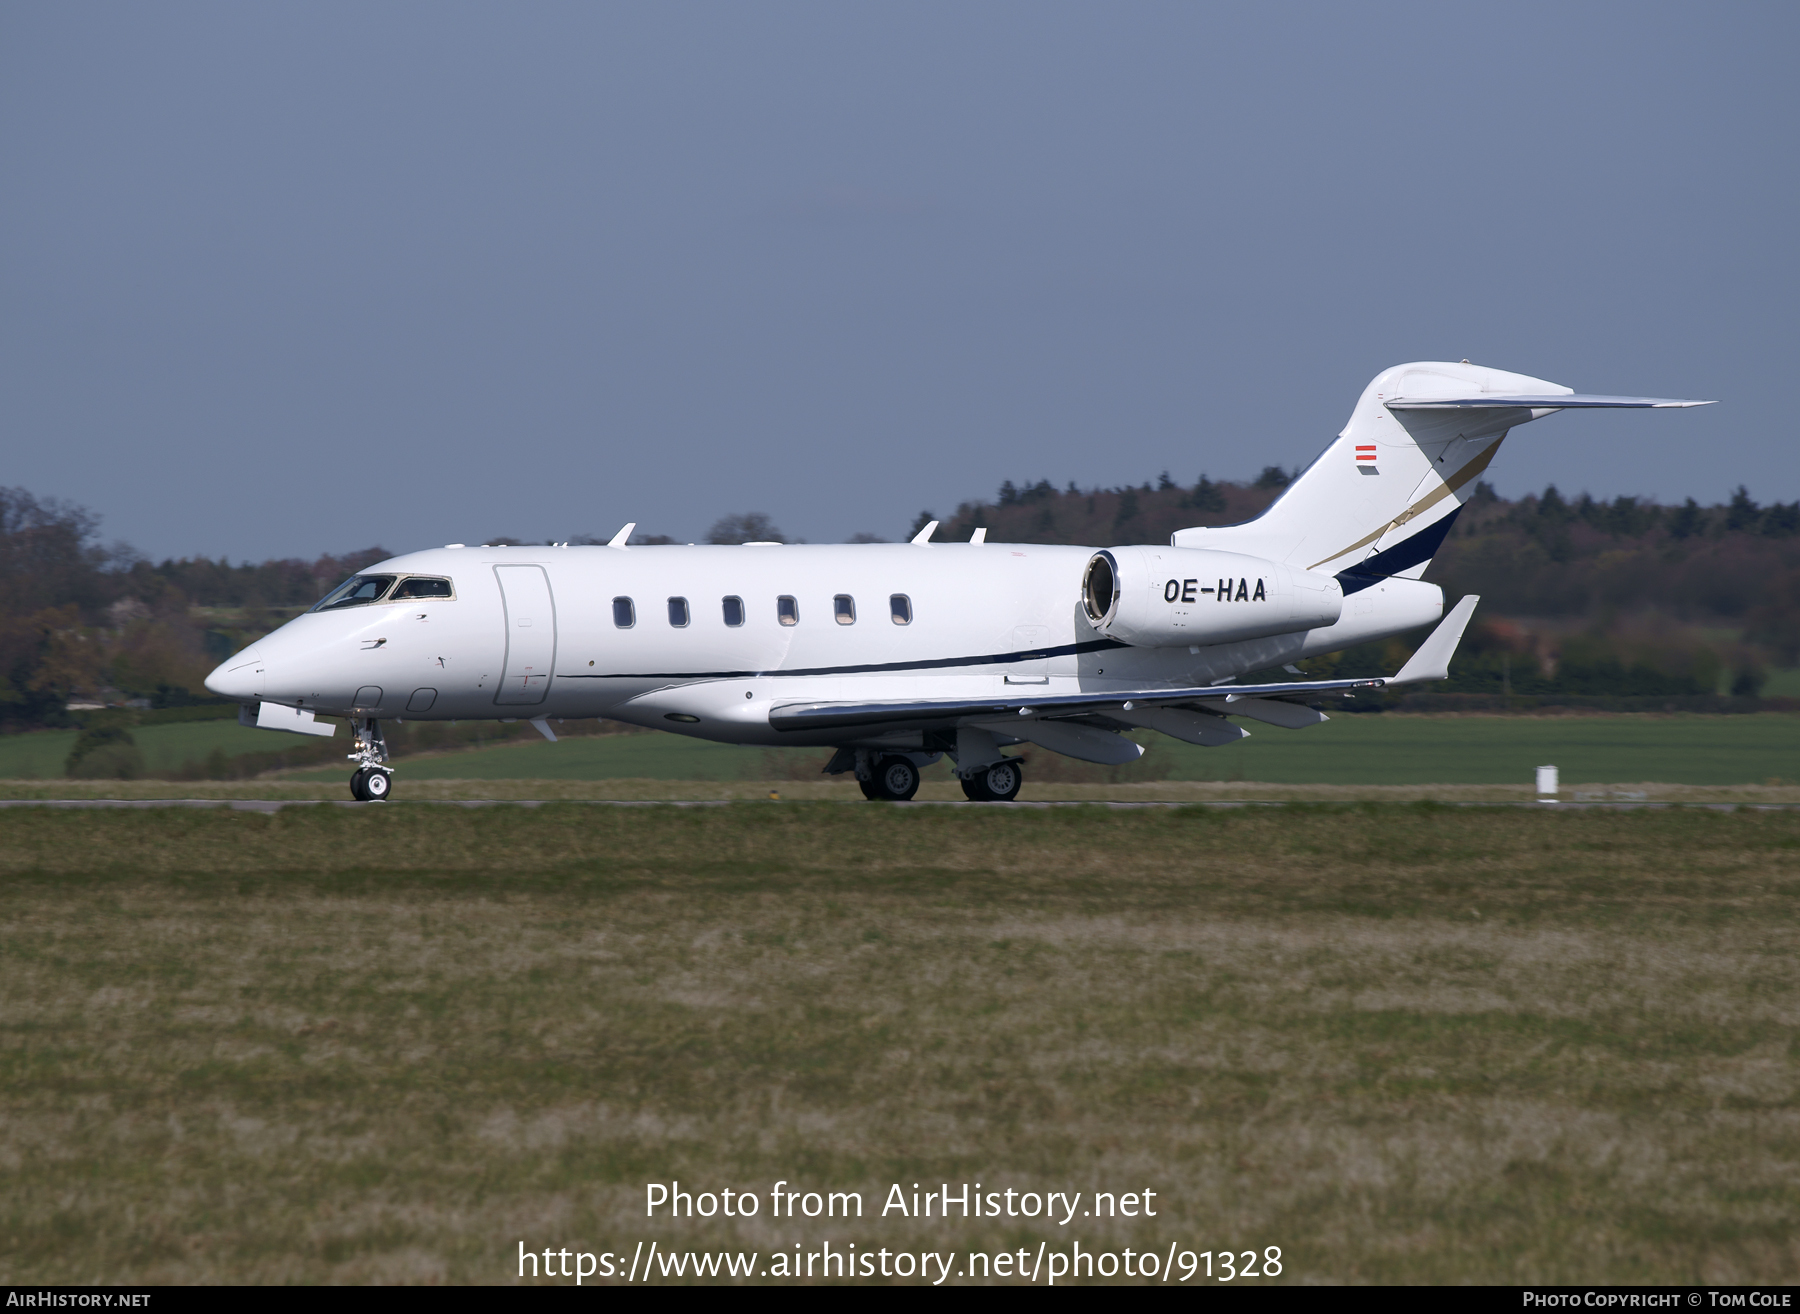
(371, 785)
(998, 782)
(896, 779)
(868, 789)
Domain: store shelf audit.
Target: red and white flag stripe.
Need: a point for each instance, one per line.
(1365, 451)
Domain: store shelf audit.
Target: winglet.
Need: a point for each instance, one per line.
(1432, 660)
(924, 535)
(623, 537)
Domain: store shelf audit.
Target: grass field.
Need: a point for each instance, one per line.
(40, 754)
(1402, 1043)
(1349, 750)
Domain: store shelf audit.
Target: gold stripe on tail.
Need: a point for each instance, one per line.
(1423, 505)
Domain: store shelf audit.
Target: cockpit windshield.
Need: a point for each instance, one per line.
(357, 591)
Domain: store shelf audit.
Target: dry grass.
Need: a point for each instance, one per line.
(1403, 1043)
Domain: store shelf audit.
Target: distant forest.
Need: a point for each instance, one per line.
(1580, 597)
(1625, 598)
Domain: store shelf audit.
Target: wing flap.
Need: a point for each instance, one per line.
(1206, 729)
(1077, 741)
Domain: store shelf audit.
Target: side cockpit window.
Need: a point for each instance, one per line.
(423, 586)
(357, 591)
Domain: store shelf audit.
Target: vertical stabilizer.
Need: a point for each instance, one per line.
(1380, 499)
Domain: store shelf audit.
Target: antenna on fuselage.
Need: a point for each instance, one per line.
(924, 535)
(623, 537)
(979, 536)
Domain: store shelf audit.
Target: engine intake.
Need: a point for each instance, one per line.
(1172, 597)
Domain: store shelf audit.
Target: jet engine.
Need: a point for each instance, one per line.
(1155, 597)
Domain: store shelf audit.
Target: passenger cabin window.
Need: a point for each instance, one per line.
(787, 611)
(624, 614)
(678, 613)
(900, 609)
(843, 609)
(734, 611)
(357, 591)
(422, 586)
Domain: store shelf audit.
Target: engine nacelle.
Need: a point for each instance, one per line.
(1155, 597)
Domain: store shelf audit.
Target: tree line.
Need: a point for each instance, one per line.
(1624, 597)
(81, 621)
(1580, 596)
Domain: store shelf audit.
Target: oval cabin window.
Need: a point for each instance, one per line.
(787, 611)
(624, 614)
(734, 611)
(843, 609)
(678, 613)
(900, 609)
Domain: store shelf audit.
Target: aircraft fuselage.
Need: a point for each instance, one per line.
(540, 632)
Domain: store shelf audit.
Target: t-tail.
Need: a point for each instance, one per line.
(1378, 502)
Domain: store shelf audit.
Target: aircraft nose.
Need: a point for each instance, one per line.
(237, 678)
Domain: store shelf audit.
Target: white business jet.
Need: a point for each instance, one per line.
(899, 654)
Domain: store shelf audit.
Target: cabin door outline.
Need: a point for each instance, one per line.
(529, 611)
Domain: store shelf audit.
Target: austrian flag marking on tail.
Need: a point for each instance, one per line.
(1365, 451)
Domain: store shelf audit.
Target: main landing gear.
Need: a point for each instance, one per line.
(997, 782)
(373, 780)
(894, 779)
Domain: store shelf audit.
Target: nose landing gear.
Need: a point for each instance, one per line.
(373, 779)
(371, 784)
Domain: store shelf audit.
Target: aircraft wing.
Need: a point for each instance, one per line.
(937, 713)
(1566, 401)
(1431, 662)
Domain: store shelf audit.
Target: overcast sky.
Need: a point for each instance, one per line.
(283, 279)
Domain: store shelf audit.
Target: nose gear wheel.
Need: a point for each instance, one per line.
(371, 784)
(372, 781)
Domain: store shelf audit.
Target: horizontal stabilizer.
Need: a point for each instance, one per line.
(1564, 402)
